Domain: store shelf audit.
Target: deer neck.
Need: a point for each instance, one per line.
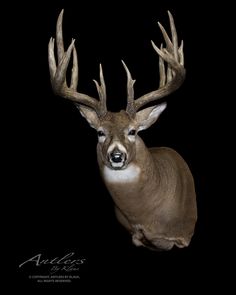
(133, 188)
(138, 176)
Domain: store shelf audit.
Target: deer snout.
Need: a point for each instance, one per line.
(117, 158)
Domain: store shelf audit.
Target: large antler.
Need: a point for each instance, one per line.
(170, 78)
(58, 74)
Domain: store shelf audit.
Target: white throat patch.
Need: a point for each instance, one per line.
(129, 174)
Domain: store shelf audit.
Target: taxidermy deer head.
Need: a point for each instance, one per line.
(153, 189)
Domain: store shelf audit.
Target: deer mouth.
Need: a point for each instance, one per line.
(118, 166)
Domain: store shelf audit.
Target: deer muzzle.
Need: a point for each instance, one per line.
(117, 159)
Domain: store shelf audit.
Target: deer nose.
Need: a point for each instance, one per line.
(117, 156)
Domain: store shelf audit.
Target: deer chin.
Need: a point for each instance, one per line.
(117, 166)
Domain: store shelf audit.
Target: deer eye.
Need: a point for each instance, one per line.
(101, 133)
(132, 132)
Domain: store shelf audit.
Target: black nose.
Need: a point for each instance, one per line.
(116, 156)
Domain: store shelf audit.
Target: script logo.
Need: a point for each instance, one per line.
(67, 263)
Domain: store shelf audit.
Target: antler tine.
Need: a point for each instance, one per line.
(169, 44)
(59, 37)
(181, 53)
(162, 72)
(172, 76)
(58, 73)
(130, 109)
(173, 35)
(51, 59)
(101, 89)
(59, 80)
(74, 71)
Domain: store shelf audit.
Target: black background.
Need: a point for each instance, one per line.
(60, 202)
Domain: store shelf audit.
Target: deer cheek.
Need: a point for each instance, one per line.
(104, 152)
(130, 152)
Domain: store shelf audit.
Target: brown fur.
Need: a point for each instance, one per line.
(157, 202)
(159, 209)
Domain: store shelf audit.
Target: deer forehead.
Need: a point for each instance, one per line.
(117, 121)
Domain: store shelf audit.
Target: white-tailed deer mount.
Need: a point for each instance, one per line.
(152, 188)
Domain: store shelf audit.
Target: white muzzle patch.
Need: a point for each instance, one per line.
(129, 174)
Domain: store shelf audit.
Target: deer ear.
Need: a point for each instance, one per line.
(90, 115)
(146, 117)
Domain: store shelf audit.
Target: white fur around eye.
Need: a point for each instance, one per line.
(132, 138)
(101, 138)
